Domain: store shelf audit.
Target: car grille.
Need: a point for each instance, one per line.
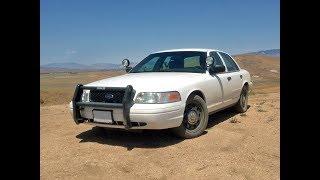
(106, 96)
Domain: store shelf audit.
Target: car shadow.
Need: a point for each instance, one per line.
(145, 138)
(221, 116)
(129, 139)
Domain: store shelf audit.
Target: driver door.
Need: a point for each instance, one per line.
(224, 80)
(234, 79)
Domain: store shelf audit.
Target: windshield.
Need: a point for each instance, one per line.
(182, 61)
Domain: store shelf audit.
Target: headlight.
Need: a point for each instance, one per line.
(85, 96)
(157, 97)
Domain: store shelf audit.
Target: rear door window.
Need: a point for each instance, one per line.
(231, 65)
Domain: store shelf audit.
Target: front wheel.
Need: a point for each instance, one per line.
(195, 119)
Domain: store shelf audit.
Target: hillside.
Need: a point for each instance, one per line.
(269, 52)
(264, 70)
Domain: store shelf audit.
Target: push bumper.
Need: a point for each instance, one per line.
(77, 105)
(128, 115)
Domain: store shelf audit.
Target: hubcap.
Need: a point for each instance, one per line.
(192, 117)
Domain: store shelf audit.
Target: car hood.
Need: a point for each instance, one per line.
(151, 81)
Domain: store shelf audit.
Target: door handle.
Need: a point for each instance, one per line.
(241, 76)
(229, 78)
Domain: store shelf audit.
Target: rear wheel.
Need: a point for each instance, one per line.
(195, 118)
(242, 104)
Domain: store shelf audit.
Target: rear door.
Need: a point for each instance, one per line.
(234, 79)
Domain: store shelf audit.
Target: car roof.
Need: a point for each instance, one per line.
(190, 49)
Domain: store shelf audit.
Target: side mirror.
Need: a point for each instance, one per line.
(209, 61)
(217, 69)
(126, 64)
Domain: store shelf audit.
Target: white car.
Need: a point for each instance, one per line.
(175, 89)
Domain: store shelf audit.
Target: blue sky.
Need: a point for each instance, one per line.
(93, 31)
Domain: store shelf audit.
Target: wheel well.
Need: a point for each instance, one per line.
(199, 93)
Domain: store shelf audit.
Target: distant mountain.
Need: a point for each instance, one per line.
(76, 67)
(65, 66)
(105, 66)
(270, 52)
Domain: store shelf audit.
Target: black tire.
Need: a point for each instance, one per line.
(242, 104)
(195, 118)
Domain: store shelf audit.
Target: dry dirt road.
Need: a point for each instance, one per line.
(234, 146)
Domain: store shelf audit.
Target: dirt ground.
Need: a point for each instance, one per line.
(234, 146)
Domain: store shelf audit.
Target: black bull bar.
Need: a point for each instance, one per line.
(126, 104)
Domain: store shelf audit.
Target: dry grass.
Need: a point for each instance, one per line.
(262, 102)
(243, 114)
(269, 119)
(58, 88)
(234, 120)
(260, 109)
